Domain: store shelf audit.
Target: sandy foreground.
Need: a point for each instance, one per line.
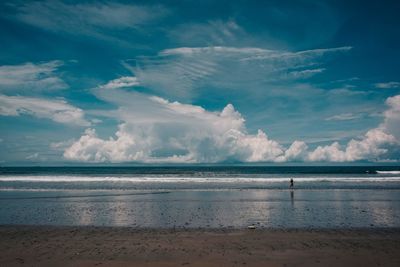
(105, 246)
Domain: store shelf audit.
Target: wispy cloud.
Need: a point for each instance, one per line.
(33, 156)
(212, 32)
(388, 85)
(31, 77)
(365, 113)
(90, 19)
(126, 81)
(306, 73)
(344, 117)
(57, 110)
(184, 69)
(347, 91)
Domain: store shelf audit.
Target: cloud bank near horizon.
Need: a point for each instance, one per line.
(155, 130)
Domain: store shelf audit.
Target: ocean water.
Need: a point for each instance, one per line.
(201, 196)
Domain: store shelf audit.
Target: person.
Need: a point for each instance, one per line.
(291, 183)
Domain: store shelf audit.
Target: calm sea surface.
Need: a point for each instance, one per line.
(207, 197)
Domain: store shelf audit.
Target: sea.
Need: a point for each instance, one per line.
(233, 196)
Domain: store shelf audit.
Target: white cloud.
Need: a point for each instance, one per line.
(375, 144)
(388, 85)
(95, 121)
(126, 81)
(33, 156)
(61, 146)
(371, 146)
(183, 70)
(215, 32)
(346, 92)
(306, 73)
(153, 129)
(156, 130)
(332, 152)
(89, 19)
(214, 50)
(125, 147)
(344, 117)
(31, 76)
(300, 56)
(296, 152)
(253, 53)
(391, 123)
(57, 110)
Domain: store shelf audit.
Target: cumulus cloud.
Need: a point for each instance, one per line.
(57, 110)
(153, 129)
(376, 144)
(296, 152)
(31, 77)
(217, 137)
(391, 123)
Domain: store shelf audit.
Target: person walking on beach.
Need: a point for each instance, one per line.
(291, 183)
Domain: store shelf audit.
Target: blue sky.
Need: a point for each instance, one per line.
(199, 81)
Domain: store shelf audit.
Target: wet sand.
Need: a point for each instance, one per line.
(113, 246)
(212, 209)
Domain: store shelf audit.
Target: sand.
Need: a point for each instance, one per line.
(107, 246)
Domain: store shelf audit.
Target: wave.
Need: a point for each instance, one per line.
(124, 179)
(388, 172)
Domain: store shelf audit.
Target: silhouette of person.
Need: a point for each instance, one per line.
(291, 183)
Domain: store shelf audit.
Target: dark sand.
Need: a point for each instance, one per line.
(100, 246)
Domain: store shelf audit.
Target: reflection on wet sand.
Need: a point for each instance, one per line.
(207, 209)
(292, 197)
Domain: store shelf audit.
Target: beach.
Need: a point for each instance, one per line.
(199, 133)
(113, 246)
(199, 217)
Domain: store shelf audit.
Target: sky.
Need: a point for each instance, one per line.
(85, 82)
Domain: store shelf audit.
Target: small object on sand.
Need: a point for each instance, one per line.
(251, 227)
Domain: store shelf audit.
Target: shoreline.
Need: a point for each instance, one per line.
(24, 245)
